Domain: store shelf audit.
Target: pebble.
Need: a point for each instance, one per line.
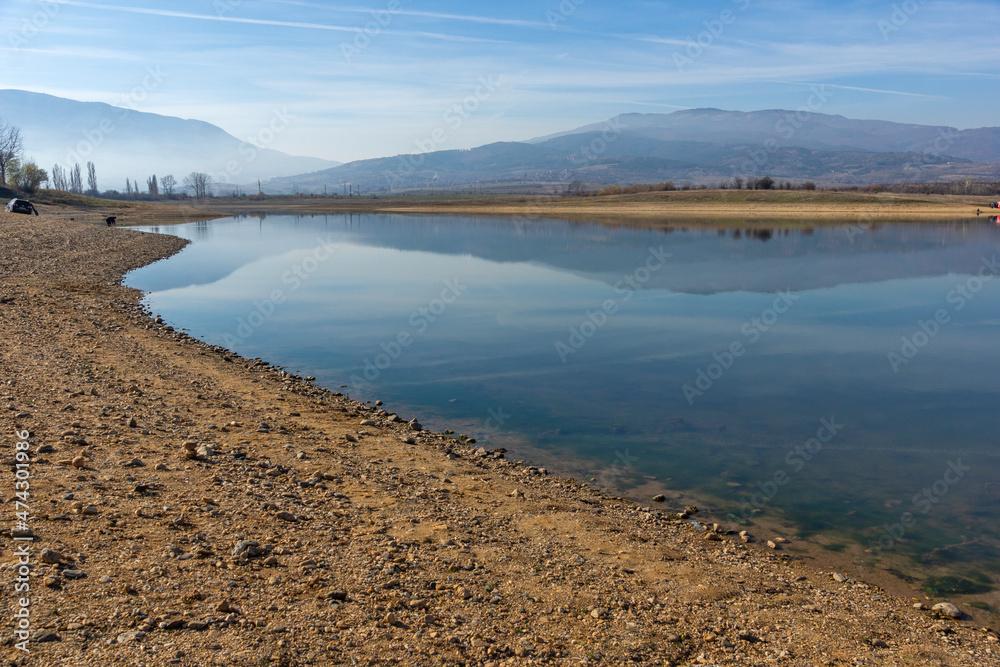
(947, 609)
(659, 498)
(250, 547)
(838, 577)
(79, 462)
(50, 556)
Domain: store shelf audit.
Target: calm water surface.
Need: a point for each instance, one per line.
(843, 381)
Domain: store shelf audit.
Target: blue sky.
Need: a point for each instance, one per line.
(387, 77)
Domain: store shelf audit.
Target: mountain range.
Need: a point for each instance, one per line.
(697, 146)
(124, 143)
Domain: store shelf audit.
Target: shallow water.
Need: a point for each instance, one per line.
(843, 379)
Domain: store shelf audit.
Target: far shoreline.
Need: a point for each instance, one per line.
(792, 208)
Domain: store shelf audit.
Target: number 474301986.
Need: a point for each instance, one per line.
(22, 474)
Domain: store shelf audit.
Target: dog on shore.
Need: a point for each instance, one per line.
(111, 220)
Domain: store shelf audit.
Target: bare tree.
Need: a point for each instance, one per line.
(153, 186)
(76, 180)
(59, 177)
(167, 184)
(91, 179)
(198, 183)
(11, 147)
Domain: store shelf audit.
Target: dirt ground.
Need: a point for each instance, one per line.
(190, 507)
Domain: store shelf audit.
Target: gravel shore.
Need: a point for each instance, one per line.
(191, 507)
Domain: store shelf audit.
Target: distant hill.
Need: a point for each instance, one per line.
(700, 146)
(817, 131)
(132, 144)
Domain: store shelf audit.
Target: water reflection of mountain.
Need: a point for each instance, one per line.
(702, 260)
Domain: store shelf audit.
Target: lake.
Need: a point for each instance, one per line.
(841, 382)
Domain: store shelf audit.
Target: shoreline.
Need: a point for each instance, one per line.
(717, 207)
(393, 526)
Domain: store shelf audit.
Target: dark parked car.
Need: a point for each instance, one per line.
(20, 206)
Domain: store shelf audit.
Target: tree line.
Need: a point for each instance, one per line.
(199, 184)
(24, 174)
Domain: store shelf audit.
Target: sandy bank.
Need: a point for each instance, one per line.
(712, 206)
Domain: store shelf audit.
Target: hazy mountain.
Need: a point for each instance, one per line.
(132, 144)
(787, 128)
(700, 146)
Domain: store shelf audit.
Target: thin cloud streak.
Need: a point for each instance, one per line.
(267, 22)
(487, 20)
